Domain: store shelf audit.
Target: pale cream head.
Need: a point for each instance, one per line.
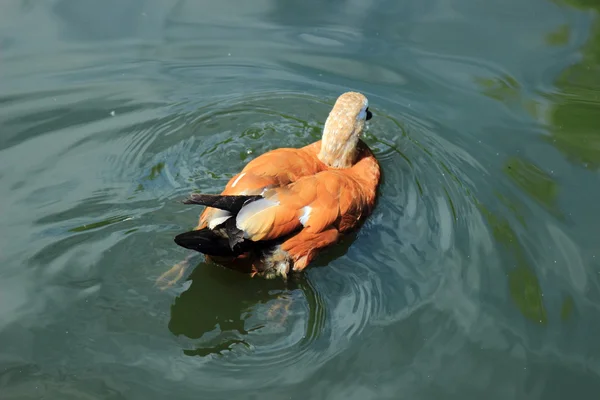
(342, 130)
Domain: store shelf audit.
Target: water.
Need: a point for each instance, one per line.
(476, 276)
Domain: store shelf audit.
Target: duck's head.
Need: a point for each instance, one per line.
(342, 130)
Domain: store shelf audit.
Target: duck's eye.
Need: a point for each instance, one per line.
(369, 114)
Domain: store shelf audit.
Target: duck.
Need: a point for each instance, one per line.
(289, 204)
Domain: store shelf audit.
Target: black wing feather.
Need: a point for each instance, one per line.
(230, 203)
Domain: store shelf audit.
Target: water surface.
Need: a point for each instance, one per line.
(476, 277)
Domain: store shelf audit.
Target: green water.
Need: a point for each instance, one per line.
(477, 276)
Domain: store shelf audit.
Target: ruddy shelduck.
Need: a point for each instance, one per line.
(288, 204)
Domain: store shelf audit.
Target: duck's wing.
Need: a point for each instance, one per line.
(314, 203)
(304, 210)
(311, 204)
(276, 168)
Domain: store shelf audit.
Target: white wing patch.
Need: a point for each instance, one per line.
(251, 209)
(305, 215)
(238, 179)
(218, 217)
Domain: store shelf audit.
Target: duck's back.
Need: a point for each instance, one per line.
(275, 168)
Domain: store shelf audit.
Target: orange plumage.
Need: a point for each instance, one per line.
(288, 204)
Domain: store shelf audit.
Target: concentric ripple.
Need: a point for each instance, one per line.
(396, 263)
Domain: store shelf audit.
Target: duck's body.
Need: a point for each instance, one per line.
(286, 205)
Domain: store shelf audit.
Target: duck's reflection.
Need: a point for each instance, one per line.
(220, 298)
(221, 301)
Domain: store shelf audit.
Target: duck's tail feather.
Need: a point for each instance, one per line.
(224, 239)
(204, 241)
(230, 203)
(210, 243)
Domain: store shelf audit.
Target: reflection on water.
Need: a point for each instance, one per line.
(575, 130)
(537, 183)
(475, 276)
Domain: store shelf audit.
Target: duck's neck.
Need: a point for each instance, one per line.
(338, 153)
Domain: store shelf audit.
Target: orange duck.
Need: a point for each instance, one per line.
(288, 204)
